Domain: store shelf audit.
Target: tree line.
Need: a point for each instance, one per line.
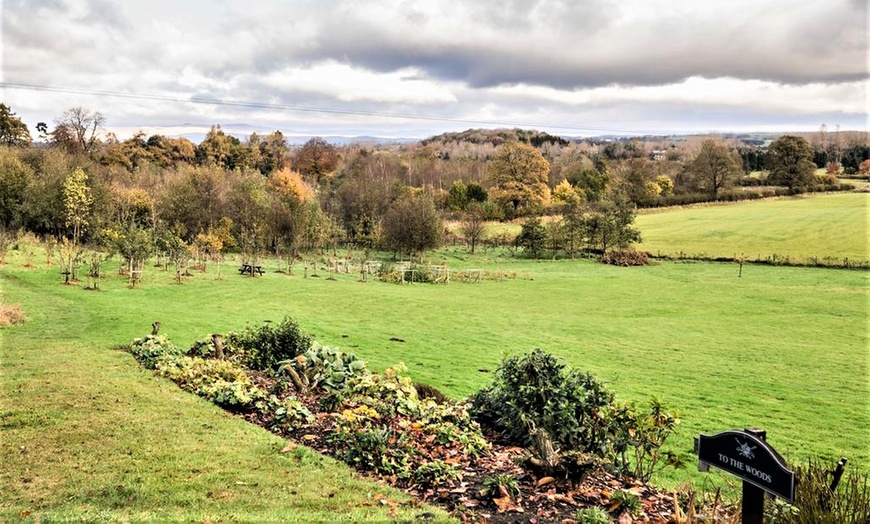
(259, 195)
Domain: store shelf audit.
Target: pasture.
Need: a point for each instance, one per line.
(813, 225)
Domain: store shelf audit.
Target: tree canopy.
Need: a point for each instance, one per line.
(518, 174)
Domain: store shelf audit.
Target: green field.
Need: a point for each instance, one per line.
(85, 433)
(815, 225)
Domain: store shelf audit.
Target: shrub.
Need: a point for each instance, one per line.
(626, 257)
(154, 349)
(322, 367)
(539, 390)
(266, 346)
(637, 439)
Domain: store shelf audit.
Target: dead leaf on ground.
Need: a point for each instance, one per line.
(289, 447)
(544, 481)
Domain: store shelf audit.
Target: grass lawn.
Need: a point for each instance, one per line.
(86, 434)
(814, 225)
(781, 348)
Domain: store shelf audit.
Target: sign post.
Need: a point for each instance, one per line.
(746, 455)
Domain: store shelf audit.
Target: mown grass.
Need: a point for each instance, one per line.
(86, 434)
(815, 225)
(781, 348)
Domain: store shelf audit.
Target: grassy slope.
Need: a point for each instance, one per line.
(85, 433)
(816, 225)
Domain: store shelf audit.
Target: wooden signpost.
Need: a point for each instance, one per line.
(749, 457)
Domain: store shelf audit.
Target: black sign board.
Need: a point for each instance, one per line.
(749, 457)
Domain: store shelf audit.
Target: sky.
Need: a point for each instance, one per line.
(401, 68)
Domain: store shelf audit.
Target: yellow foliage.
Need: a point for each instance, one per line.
(288, 183)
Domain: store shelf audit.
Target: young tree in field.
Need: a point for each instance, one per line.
(610, 225)
(715, 167)
(412, 225)
(473, 225)
(13, 132)
(518, 174)
(77, 202)
(790, 159)
(532, 237)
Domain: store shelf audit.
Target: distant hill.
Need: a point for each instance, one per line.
(496, 137)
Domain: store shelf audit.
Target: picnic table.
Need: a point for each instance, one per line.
(248, 269)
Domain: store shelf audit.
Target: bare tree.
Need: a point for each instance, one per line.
(79, 129)
(473, 225)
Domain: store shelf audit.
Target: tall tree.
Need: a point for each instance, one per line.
(78, 129)
(715, 167)
(316, 158)
(518, 174)
(790, 159)
(412, 225)
(13, 132)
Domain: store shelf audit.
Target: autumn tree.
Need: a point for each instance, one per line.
(316, 158)
(13, 132)
(518, 174)
(790, 159)
(715, 168)
(77, 202)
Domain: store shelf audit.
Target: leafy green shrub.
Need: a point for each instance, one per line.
(539, 390)
(593, 516)
(637, 439)
(220, 381)
(322, 367)
(435, 473)
(266, 346)
(154, 349)
(815, 503)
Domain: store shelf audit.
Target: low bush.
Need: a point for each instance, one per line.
(154, 349)
(221, 381)
(321, 367)
(539, 390)
(384, 427)
(266, 346)
(637, 439)
(593, 516)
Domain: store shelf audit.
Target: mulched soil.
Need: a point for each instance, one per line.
(540, 500)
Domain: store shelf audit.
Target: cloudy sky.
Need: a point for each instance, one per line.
(418, 68)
